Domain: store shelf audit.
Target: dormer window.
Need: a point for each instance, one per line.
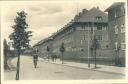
(98, 18)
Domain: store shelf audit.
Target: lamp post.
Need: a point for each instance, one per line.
(88, 48)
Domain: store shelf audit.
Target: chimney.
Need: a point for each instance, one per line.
(97, 7)
(80, 14)
(84, 11)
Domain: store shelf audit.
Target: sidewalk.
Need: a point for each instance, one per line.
(101, 68)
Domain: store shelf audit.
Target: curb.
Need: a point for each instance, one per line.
(88, 68)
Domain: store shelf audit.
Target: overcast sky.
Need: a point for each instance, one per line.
(45, 18)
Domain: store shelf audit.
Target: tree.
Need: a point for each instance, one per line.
(6, 48)
(62, 50)
(94, 47)
(20, 36)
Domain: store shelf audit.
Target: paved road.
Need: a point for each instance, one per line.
(48, 71)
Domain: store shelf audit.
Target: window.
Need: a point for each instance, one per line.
(116, 14)
(98, 18)
(81, 41)
(123, 46)
(122, 28)
(116, 29)
(123, 9)
(82, 26)
(99, 27)
(116, 45)
(84, 37)
(105, 27)
(99, 37)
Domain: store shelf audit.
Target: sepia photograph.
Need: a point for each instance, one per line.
(63, 40)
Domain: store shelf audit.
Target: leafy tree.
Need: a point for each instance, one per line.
(6, 47)
(62, 50)
(95, 45)
(20, 36)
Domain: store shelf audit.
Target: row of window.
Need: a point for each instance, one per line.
(98, 37)
(98, 27)
(69, 49)
(98, 18)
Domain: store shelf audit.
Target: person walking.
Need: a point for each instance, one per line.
(35, 58)
(55, 57)
(52, 56)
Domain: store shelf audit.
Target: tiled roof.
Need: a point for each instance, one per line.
(91, 15)
(43, 41)
(114, 6)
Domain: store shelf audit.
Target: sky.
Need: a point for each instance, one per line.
(44, 18)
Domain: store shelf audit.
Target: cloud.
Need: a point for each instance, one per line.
(43, 9)
(44, 18)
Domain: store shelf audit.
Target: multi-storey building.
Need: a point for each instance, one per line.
(116, 21)
(78, 34)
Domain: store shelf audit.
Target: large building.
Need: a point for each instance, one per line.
(78, 34)
(116, 21)
(77, 37)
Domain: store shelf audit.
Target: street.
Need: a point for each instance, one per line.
(49, 71)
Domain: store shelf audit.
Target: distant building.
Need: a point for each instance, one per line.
(42, 47)
(116, 21)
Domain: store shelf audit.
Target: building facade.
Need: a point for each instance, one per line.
(78, 35)
(116, 21)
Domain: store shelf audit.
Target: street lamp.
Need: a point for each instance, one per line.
(117, 56)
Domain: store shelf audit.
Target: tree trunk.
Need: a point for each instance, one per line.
(62, 58)
(18, 65)
(5, 60)
(48, 56)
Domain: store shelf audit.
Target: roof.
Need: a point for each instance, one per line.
(92, 14)
(43, 41)
(84, 16)
(115, 5)
(65, 27)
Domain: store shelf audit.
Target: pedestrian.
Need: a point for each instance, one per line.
(52, 56)
(35, 57)
(55, 57)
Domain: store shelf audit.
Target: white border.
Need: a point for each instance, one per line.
(62, 81)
